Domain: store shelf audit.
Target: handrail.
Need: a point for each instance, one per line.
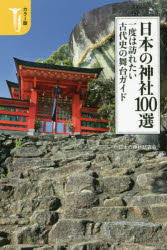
(95, 129)
(93, 120)
(14, 120)
(14, 128)
(89, 109)
(13, 123)
(5, 112)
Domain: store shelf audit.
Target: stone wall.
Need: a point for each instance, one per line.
(82, 192)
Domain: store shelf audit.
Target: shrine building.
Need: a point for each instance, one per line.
(52, 94)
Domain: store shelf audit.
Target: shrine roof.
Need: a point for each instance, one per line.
(12, 84)
(10, 102)
(10, 99)
(57, 67)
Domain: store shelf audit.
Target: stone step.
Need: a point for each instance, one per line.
(11, 227)
(39, 168)
(27, 151)
(59, 172)
(29, 247)
(11, 191)
(20, 165)
(97, 213)
(134, 246)
(24, 208)
(114, 202)
(154, 213)
(47, 247)
(13, 220)
(146, 200)
(7, 181)
(91, 245)
(4, 238)
(151, 182)
(21, 247)
(29, 173)
(143, 233)
(135, 232)
(31, 234)
(154, 165)
(107, 171)
(115, 185)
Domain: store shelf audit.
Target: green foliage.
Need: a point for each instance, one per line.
(163, 105)
(19, 142)
(163, 110)
(5, 175)
(158, 8)
(38, 124)
(31, 223)
(96, 65)
(70, 126)
(102, 95)
(28, 179)
(108, 113)
(59, 57)
(146, 8)
(101, 92)
(40, 60)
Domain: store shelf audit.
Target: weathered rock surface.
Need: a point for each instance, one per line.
(93, 27)
(96, 25)
(82, 192)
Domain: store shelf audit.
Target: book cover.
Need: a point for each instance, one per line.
(83, 145)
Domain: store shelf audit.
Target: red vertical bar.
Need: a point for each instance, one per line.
(64, 126)
(32, 110)
(44, 127)
(22, 96)
(53, 131)
(76, 113)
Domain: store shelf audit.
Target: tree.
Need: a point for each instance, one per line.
(101, 93)
(146, 8)
(59, 57)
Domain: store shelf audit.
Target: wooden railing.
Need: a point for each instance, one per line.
(90, 124)
(14, 119)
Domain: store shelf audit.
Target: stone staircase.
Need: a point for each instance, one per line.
(82, 192)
